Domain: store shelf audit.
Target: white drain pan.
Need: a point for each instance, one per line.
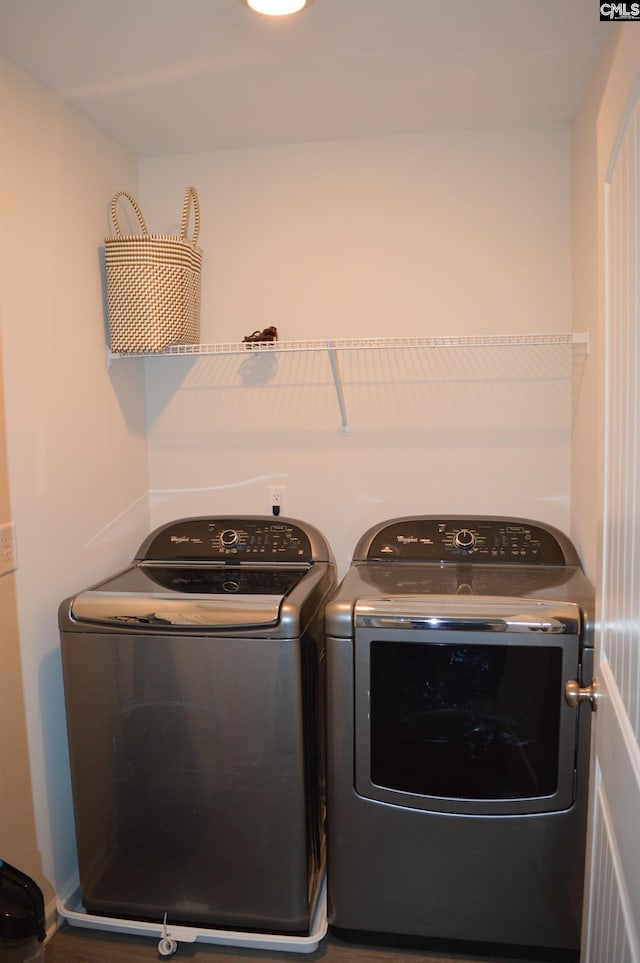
(171, 935)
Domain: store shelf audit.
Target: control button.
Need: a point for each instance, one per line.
(464, 539)
(228, 537)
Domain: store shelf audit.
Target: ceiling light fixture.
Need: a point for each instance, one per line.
(277, 8)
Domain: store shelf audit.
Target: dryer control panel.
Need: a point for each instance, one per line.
(465, 538)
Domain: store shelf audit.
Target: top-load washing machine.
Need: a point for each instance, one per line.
(458, 744)
(194, 689)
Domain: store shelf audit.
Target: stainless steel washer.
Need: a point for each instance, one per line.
(194, 689)
(458, 771)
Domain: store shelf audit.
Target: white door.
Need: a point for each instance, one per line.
(612, 928)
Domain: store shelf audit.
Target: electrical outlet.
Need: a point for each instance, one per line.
(276, 497)
(8, 561)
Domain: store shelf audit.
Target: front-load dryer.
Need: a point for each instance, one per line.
(457, 767)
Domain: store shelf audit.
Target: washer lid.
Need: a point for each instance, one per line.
(222, 580)
(171, 609)
(192, 595)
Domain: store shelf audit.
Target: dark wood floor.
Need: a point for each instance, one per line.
(73, 944)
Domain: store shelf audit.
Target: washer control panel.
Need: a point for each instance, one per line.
(229, 539)
(462, 538)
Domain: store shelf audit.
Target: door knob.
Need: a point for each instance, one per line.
(574, 694)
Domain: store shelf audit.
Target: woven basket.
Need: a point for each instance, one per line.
(153, 283)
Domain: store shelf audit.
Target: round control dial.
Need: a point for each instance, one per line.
(464, 539)
(229, 537)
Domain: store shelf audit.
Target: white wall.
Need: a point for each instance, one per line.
(454, 233)
(17, 820)
(75, 432)
(587, 440)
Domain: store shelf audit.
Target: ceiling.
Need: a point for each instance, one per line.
(182, 76)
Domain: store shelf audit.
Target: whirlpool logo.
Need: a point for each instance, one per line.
(620, 11)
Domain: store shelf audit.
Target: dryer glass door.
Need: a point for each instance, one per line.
(464, 711)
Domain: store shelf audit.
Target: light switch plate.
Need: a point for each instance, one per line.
(8, 559)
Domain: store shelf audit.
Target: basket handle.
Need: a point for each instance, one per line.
(114, 212)
(190, 197)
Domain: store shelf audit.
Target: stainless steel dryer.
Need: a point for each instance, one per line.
(194, 689)
(457, 767)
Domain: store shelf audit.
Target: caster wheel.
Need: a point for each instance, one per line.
(167, 946)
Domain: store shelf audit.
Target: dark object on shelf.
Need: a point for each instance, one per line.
(267, 334)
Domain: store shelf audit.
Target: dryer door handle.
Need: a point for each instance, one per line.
(574, 694)
(448, 624)
(463, 614)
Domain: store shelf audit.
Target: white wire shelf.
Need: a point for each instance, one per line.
(332, 346)
(364, 344)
